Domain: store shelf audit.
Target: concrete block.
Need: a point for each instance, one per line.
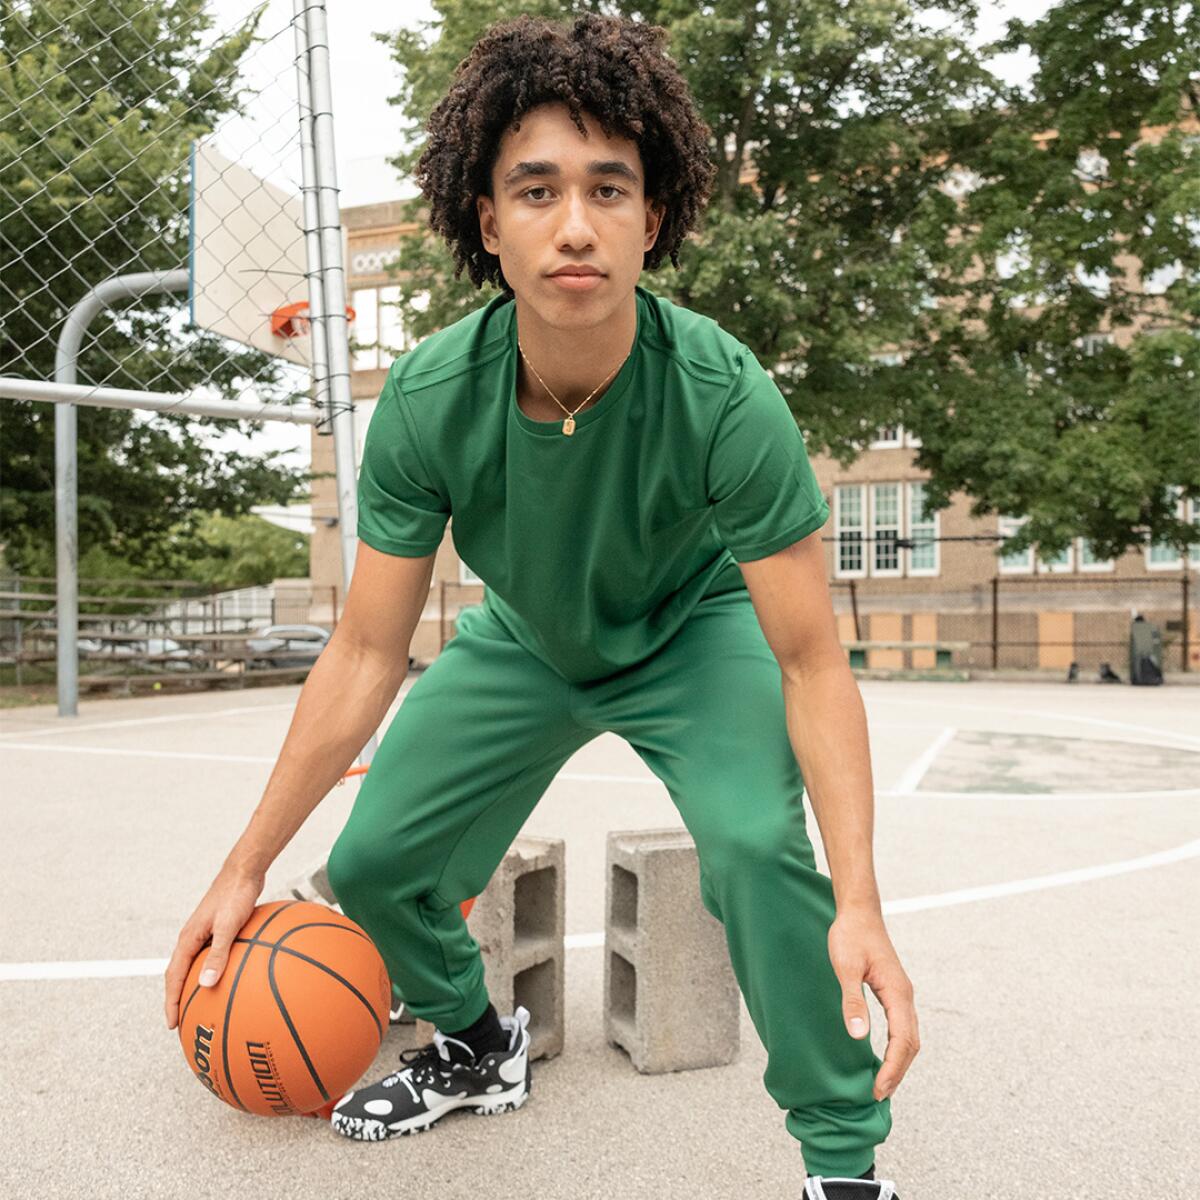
(671, 1000)
(313, 885)
(519, 922)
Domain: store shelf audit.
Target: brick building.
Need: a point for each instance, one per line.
(894, 574)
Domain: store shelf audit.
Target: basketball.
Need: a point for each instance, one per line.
(297, 1016)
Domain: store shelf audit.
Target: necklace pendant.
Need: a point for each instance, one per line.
(569, 426)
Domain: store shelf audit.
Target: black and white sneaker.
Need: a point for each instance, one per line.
(831, 1187)
(436, 1079)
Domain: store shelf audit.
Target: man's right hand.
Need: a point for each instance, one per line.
(226, 907)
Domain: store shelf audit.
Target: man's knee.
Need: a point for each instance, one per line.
(364, 864)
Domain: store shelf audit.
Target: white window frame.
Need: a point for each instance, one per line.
(839, 571)
(888, 437)
(1099, 565)
(1176, 563)
(1006, 527)
(1066, 567)
(910, 509)
(876, 570)
(365, 329)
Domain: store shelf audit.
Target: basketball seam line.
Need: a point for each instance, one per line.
(229, 1006)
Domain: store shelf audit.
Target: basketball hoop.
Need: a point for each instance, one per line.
(292, 320)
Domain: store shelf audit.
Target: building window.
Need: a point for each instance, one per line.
(466, 575)
(364, 329)
(1162, 556)
(890, 519)
(1088, 560)
(885, 529)
(1021, 561)
(887, 437)
(1092, 343)
(378, 331)
(848, 501)
(1058, 564)
(923, 531)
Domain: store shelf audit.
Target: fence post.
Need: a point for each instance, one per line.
(1185, 630)
(334, 603)
(995, 622)
(858, 637)
(17, 640)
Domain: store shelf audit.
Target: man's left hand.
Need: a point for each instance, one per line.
(861, 952)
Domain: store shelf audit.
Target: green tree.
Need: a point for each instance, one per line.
(1082, 215)
(838, 232)
(99, 105)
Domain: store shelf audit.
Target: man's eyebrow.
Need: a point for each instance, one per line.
(523, 170)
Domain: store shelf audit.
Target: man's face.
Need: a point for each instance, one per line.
(561, 200)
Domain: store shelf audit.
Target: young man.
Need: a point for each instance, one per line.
(632, 488)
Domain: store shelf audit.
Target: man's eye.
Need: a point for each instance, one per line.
(610, 187)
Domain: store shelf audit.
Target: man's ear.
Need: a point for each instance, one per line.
(655, 212)
(487, 223)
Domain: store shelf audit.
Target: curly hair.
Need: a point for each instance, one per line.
(614, 69)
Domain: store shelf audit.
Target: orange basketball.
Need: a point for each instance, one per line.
(297, 1016)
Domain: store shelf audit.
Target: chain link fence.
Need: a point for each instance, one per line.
(151, 217)
(170, 243)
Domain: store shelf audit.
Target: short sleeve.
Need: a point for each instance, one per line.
(760, 482)
(400, 509)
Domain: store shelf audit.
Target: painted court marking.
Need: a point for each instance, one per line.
(132, 967)
(919, 767)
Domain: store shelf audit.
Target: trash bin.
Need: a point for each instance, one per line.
(1145, 652)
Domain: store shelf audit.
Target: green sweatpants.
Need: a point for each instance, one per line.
(475, 744)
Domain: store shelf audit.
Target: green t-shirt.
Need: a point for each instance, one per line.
(593, 548)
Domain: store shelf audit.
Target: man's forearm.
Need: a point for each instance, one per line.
(827, 725)
(345, 697)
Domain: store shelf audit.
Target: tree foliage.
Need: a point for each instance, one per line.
(881, 190)
(99, 105)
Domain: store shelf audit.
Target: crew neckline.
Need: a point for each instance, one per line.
(553, 429)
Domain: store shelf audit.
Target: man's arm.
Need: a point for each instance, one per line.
(827, 726)
(344, 699)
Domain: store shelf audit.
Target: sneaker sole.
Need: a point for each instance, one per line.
(368, 1129)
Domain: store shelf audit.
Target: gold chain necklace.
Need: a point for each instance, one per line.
(568, 427)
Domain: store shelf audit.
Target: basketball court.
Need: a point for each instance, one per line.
(1037, 848)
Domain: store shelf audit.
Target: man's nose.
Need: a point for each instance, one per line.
(575, 225)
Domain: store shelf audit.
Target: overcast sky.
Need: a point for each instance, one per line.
(367, 128)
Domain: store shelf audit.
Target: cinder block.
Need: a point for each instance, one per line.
(671, 1000)
(312, 884)
(519, 922)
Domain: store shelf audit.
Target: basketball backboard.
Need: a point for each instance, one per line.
(246, 255)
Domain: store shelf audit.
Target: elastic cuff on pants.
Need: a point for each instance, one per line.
(462, 1017)
(847, 1168)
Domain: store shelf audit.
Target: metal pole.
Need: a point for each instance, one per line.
(1185, 630)
(995, 622)
(318, 341)
(333, 283)
(66, 467)
(333, 280)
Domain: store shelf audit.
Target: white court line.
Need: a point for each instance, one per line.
(1149, 730)
(1040, 882)
(918, 768)
(1161, 794)
(42, 749)
(131, 721)
(127, 968)
(906, 791)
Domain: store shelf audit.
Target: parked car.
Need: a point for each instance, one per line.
(180, 657)
(286, 646)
